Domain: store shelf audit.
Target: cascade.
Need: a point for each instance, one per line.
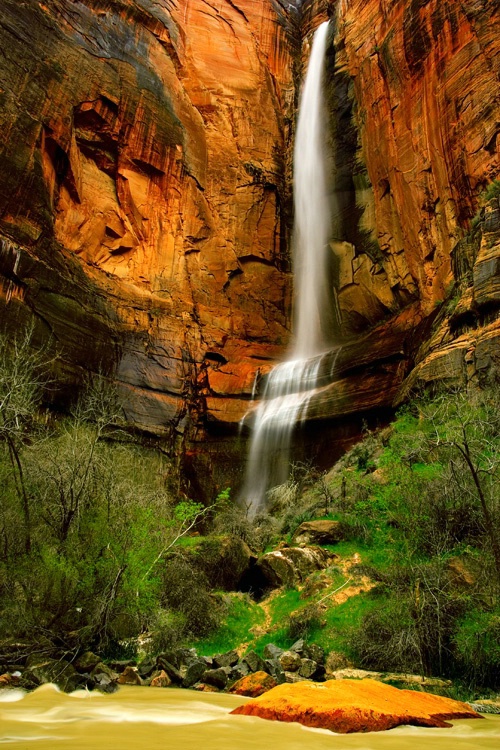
(291, 384)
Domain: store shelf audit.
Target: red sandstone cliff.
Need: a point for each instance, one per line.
(413, 92)
(144, 200)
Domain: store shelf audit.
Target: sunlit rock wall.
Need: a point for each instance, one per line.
(412, 96)
(143, 201)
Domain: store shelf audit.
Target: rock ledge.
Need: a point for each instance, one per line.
(355, 706)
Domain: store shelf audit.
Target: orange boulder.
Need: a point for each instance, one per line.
(354, 706)
(253, 685)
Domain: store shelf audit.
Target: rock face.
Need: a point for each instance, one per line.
(145, 201)
(355, 706)
(411, 90)
(318, 532)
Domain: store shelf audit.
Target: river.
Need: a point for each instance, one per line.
(137, 718)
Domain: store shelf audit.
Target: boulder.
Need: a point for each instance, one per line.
(290, 661)
(307, 668)
(274, 668)
(160, 680)
(86, 662)
(318, 532)
(335, 661)
(184, 656)
(146, 667)
(173, 672)
(253, 685)
(355, 706)
(102, 668)
(314, 652)
(40, 671)
(119, 665)
(271, 651)
(9, 680)
(223, 559)
(254, 662)
(129, 676)
(194, 673)
(237, 672)
(291, 565)
(217, 677)
(229, 659)
(298, 646)
(172, 657)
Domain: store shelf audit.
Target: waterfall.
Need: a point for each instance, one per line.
(291, 384)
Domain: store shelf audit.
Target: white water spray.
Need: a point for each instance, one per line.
(290, 385)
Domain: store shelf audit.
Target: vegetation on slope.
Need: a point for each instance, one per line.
(94, 551)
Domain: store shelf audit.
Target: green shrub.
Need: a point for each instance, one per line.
(304, 622)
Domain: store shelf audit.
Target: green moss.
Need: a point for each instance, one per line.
(243, 614)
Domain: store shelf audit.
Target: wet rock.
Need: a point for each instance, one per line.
(104, 678)
(355, 706)
(237, 672)
(194, 673)
(9, 680)
(217, 677)
(314, 652)
(335, 661)
(43, 671)
(254, 662)
(229, 659)
(307, 668)
(271, 651)
(202, 687)
(318, 532)
(298, 646)
(160, 679)
(146, 667)
(86, 662)
(274, 668)
(290, 661)
(102, 668)
(253, 685)
(292, 677)
(104, 684)
(174, 673)
(172, 657)
(185, 656)
(119, 665)
(129, 676)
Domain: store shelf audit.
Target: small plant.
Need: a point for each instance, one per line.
(304, 622)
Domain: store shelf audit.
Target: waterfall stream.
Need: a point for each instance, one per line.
(291, 384)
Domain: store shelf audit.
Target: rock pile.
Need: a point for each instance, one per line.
(250, 674)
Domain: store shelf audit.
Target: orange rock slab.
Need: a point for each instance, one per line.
(346, 706)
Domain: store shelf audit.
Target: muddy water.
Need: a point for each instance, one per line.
(153, 718)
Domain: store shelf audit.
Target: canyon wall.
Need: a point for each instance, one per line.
(412, 95)
(145, 201)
